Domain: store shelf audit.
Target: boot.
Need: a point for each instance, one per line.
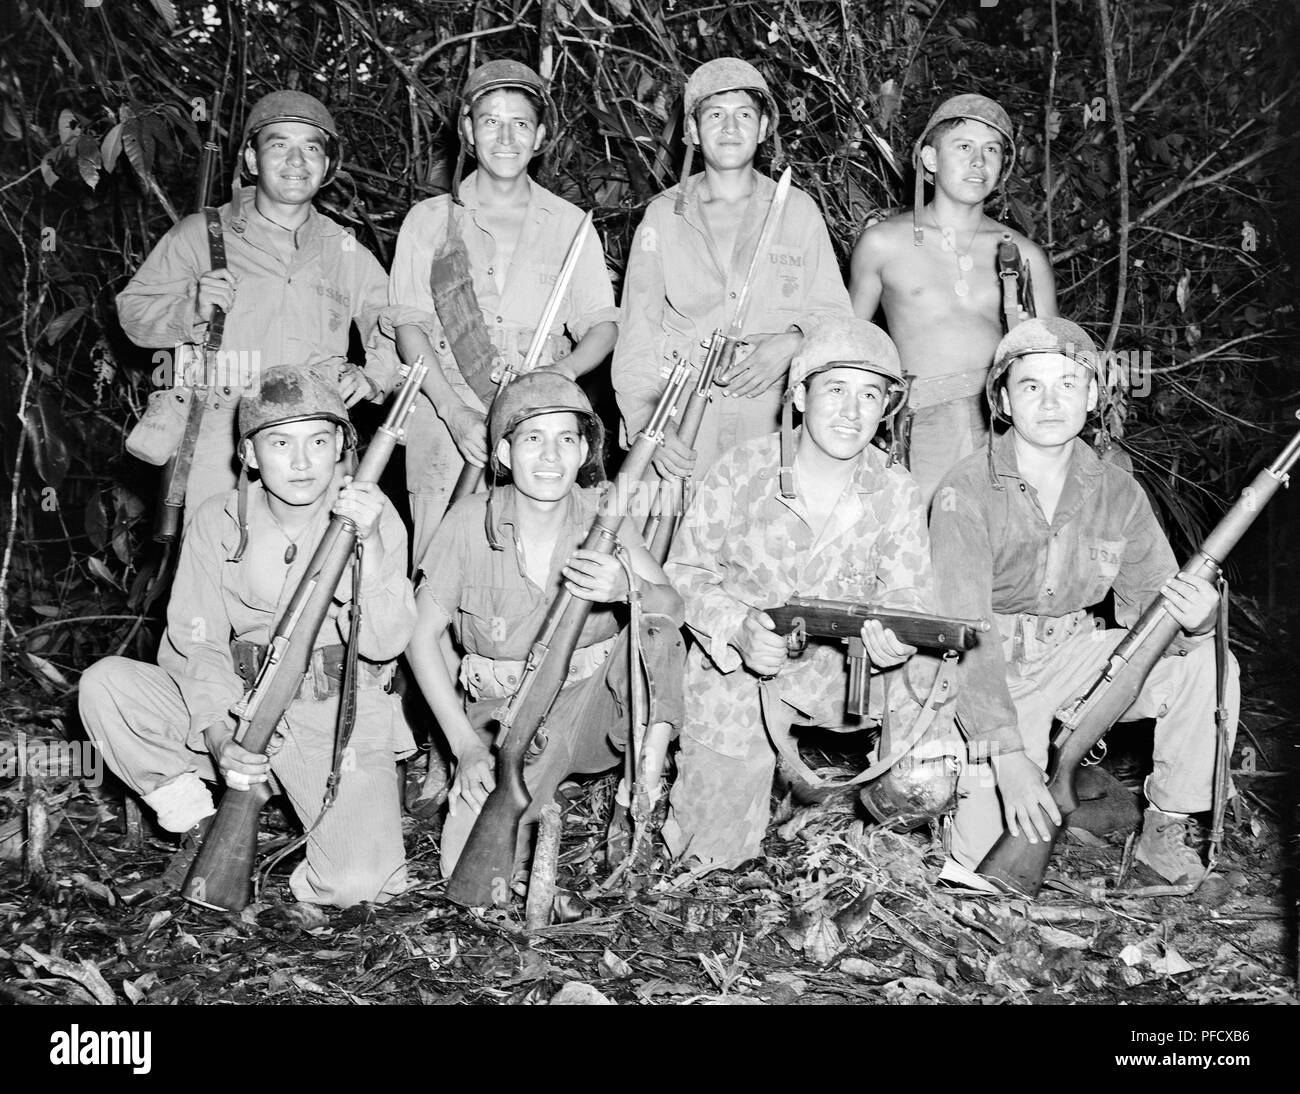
(173, 875)
(1163, 847)
(1106, 806)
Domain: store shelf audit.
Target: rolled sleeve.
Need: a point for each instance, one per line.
(442, 569)
(826, 295)
(636, 368)
(410, 298)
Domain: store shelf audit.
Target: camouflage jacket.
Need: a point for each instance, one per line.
(742, 545)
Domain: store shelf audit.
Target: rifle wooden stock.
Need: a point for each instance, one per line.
(670, 499)
(221, 875)
(486, 864)
(1018, 866)
(471, 477)
(807, 617)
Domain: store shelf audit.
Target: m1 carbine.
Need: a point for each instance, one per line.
(802, 618)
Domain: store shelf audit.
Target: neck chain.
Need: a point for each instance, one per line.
(290, 552)
(964, 261)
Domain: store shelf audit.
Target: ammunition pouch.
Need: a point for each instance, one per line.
(324, 676)
(498, 678)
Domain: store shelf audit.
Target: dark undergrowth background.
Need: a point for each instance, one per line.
(1157, 154)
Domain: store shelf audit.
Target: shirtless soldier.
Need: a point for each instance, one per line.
(935, 275)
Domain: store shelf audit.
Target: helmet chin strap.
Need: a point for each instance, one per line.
(787, 445)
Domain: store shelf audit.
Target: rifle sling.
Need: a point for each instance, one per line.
(777, 723)
(175, 483)
(457, 307)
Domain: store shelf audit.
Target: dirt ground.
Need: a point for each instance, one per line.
(837, 911)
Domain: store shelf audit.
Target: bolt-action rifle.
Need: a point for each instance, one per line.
(221, 876)
(171, 495)
(1018, 866)
(671, 496)
(486, 865)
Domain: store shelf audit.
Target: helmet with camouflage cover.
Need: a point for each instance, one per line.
(294, 106)
(544, 391)
(728, 74)
(287, 393)
(513, 76)
(1051, 335)
(849, 342)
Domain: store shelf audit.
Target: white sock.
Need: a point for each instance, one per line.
(181, 803)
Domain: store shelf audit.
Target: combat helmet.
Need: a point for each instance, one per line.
(542, 391)
(971, 107)
(839, 342)
(286, 393)
(494, 76)
(1051, 335)
(713, 78)
(294, 106)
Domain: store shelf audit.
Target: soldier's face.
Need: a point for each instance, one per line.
(296, 459)
(505, 132)
(842, 408)
(289, 162)
(728, 127)
(545, 454)
(1047, 396)
(966, 160)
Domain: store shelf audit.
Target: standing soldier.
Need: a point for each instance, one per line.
(471, 275)
(688, 264)
(934, 272)
(293, 283)
(166, 728)
(819, 514)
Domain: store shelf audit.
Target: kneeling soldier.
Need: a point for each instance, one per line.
(166, 728)
(1032, 533)
(492, 569)
(818, 514)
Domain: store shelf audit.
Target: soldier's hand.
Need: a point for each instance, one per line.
(767, 361)
(760, 647)
(216, 289)
(884, 648)
(361, 503)
(594, 576)
(1193, 601)
(240, 768)
(475, 778)
(674, 459)
(468, 428)
(354, 385)
(1026, 803)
